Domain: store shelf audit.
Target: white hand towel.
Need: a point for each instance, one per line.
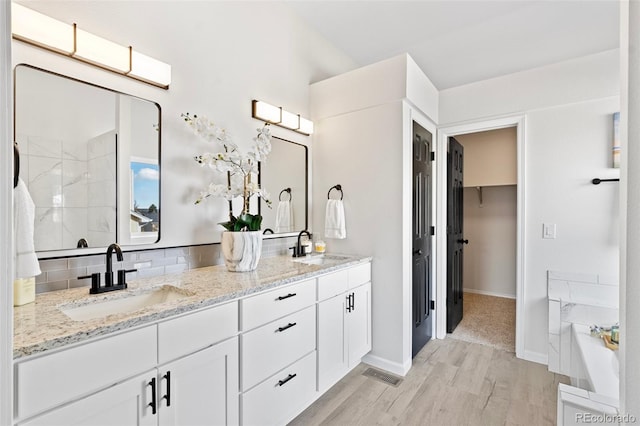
(24, 212)
(284, 217)
(334, 222)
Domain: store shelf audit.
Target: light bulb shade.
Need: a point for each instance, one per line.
(35, 28)
(102, 52)
(306, 126)
(151, 70)
(290, 120)
(267, 112)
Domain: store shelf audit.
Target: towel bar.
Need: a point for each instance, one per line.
(287, 190)
(597, 181)
(16, 164)
(337, 187)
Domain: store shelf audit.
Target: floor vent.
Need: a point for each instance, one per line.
(382, 376)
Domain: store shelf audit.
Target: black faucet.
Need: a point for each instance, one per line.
(298, 250)
(108, 275)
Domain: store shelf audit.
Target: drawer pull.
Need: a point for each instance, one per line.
(289, 377)
(152, 404)
(291, 324)
(286, 297)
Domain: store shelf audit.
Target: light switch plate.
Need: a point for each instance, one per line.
(549, 230)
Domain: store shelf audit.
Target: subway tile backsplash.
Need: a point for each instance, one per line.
(62, 273)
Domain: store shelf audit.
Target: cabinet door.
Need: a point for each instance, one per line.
(122, 404)
(359, 324)
(202, 388)
(332, 343)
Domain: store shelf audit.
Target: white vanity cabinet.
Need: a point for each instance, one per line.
(200, 389)
(344, 322)
(118, 380)
(278, 356)
(122, 404)
(257, 360)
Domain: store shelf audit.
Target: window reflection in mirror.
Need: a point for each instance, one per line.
(285, 168)
(77, 142)
(145, 198)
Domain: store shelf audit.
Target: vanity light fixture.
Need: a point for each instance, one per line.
(280, 117)
(43, 31)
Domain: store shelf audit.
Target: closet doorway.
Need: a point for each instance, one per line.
(488, 229)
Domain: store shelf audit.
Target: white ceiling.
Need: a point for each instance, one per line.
(459, 42)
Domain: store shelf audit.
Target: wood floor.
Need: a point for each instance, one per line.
(452, 382)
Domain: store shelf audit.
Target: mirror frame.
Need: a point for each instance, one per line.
(306, 192)
(64, 252)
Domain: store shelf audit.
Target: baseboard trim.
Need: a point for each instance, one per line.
(536, 357)
(490, 293)
(390, 366)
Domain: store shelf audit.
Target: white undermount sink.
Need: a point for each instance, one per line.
(123, 303)
(321, 259)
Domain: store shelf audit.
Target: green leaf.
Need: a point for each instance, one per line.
(250, 221)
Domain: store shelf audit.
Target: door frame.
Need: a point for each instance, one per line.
(6, 218)
(444, 133)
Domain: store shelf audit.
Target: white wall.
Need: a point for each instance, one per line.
(364, 142)
(223, 55)
(568, 109)
(630, 268)
(489, 263)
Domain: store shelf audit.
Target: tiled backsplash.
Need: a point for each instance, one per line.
(62, 273)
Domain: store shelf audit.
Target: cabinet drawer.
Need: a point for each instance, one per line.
(53, 379)
(270, 348)
(360, 274)
(266, 307)
(333, 284)
(187, 334)
(282, 396)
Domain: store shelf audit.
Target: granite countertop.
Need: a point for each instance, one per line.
(41, 326)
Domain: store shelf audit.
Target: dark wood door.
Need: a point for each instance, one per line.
(422, 221)
(455, 238)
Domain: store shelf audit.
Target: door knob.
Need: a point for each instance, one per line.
(463, 241)
(418, 252)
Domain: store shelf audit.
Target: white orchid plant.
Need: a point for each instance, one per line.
(239, 167)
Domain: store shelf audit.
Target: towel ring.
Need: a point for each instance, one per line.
(287, 190)
(267, 231)
(337, 187)
(16, 164)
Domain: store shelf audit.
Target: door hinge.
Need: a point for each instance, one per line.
(433, 305)
(433, 156)
(433, 230)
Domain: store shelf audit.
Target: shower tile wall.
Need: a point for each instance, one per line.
(62, 182)
(101, 190)
(62, 273)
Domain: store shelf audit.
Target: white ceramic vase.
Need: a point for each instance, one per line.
(241, 250)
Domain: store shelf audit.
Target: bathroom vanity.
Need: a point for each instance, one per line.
(206, 346)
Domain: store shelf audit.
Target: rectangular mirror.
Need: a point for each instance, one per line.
(284, 175)
(90, 157)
